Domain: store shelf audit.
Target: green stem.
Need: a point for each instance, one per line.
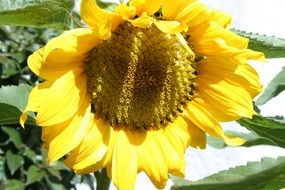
(103, 182)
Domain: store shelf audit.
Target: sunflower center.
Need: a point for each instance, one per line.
(140, 78)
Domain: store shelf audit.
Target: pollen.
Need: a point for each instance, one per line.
(140, 78)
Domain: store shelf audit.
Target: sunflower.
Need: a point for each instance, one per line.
(138, 86)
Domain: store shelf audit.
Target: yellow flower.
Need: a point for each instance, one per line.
(140, 85)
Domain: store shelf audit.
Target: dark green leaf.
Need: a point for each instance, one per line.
(35, 174)
(14, 185)
(271, 46)
(266, 128)
(14, 161)
(276, 86)
(103, 181)
(14, 136)
(13, 100)
(10, 115)
(39, 13)
(268, 174)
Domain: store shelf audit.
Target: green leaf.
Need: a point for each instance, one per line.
(16, 96)
(2, 170)
(29, 153)
(252, 139)
(14, 161)
(54, 185)
(108, 6)
(271, 46)
(14, 185)
(215, 142)
(35, 174)
(59, 165)
(89, 180)
(54, 172)
(9, 66)
(103, 181)
(14, 136)
(268, 174)
(38, 13)
(13, 100)
(269, 129)
(276, 86)
(10, 115)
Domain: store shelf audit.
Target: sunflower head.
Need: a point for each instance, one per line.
(137, 86)
(150, 73)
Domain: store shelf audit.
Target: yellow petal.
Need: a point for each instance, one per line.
(220, 18)
(144, 21)
(198, 136)
(185, 45)
(107, 159)
(232, 99)
(170, 27)
(216, 111)
(178, 134)
(152, 161)
(242, 75)
(98, 19)
(36, 97)
(237, 85)
(63, 53)
(71, 133)
(204, 120)
(50, 71)
(193, 14)
(206, 34)
(73, 45)
(127, 12)
(93, 147)
(174, 160)
(212, 40)
(65, 97)
(148, 6)
(252, 83)
(219, 47)
(170, 10)
(124, 162)
(190, 12)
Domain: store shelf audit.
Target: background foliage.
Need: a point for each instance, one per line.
(26, 26)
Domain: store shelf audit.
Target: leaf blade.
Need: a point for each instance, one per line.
(267, 174)
(14, 136)
(271, 46)
(13, 100)
(267, 128)
(14, 161)
(38, 13)
(275, 87)
(34, 174)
